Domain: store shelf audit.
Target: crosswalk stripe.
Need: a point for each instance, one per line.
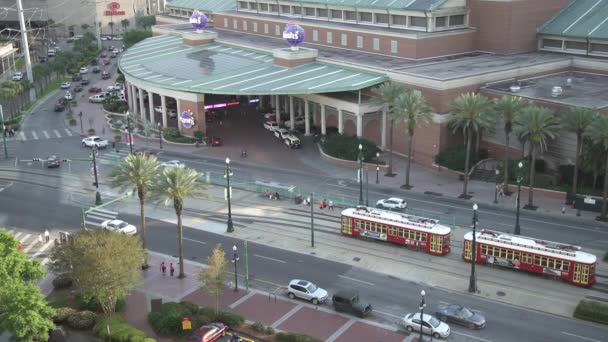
(27, 236)
(35, 135)
(99, 210)
(42, 249)
(57, 133)
(88, 223)
(17, 235)
(103, 217)
(68, 132)
(44, 261)
(22, 136)
(31, 245)
(46, 134)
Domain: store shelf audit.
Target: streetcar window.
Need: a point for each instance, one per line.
(558, 264)
(543, 262)
(484, 249)
(537, 260)
(503, 253)
(566, 266)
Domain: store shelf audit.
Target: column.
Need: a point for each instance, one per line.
(291, 114)
(314, 113)
(323, 123)
(142, 107)
(340, 121)
(129, 88)
(306, 119)
(359, 125)
(179, 110)
(163, 104)
(277, 108)
(151, 107)
(272, 101)
(383, 130)
(135, 107)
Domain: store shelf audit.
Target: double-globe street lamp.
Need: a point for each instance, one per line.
(360, 174)
(227, 175)
(496, 174)
(422, 306)
(160, 135)
(519, 179)
(235, 258)
(377, 167)
(473, 279)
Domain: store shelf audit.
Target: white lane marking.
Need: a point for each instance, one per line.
(105, 211)
(46, 135)
(23, 136)
(27, 236)
(201, 242)
(17, 235)
(35, 135)
(353, 279)
(68, 132)
(43, 248)
(581, 337)
(44, 261)
(471, 336)
(387, 314)
(273, 259)
(57, 133)
(442, 302)
(94, 224)
(27, 249)
(101, 217)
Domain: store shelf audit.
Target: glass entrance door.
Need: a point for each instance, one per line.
(581, 274)
(347, 227)
(436, 243)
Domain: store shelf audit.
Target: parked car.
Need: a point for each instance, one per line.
(173, 163)
(51, 53)
(105, 75)
(42, 59)
(94, 90)
(52, 162)
(65, 85)
(85, 81)
(216, 141)
(68, 96)
(270, 117)
(117, 37)
(96, 70)
(59, 107)
(209, 333)
(115, 87)
(18, 76)
(94, 141)
(292, 141)
(119, 227)
(299, 121)
(430, 325)
(306, 290)
(271, 126)
(348, 301)
(281, 133)
(76, 77)
(392, 203)
(98, 98)
(461, 315)
(84, 70)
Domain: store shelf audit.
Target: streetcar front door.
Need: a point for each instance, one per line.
(436, 244)
(347, 226)
(581, 274)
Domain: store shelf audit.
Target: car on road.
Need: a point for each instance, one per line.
(65, 85)
(76, 77)
(105, 75)
(84, 70)
(77, 88)
(94, 90)
(349, 301)
(281, 133)
(299, 121)
(144, 152)
(115, 87)
(105, 61)
(270, 117)
(271, 126)
(68, 96)
(85, 81)
(94, 62)
(430, 325)
(52, 162)
(292, 141)
(117, 38)
(113, 55)
(119, 227)
(306, 290)
(99, 98)
(51, 53)
(115, 51)
(106, 38)
(392, 203)
(461, 315)
(94, 141)
(216, 141)
(18, 76)
(173, 163)
(209, 333)
(42, 59)
(96, 70)
(103, 55)
(59, 107)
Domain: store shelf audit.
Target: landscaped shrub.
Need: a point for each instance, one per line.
(120, 330)
(453, 157)
(347, 147)
(82, 320)
(72, 122)
(592, 311)
(290, 337)
(168, 321)
(92, 304)
(91, 131)
(171, 132)
(199, 135)
(62, 282)
(115, 106)
(62, 314)
(230, 319)
(258, 327)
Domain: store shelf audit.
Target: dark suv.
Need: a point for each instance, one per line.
(348, 301)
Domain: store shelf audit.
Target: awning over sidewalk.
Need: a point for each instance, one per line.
(163, 61)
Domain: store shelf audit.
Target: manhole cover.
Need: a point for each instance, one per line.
(500, 293)
(356, 259)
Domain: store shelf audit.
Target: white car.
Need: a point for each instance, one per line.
(430, 325)
(84, 70)
(173, 163)
(68, 96)
(115, 51)
(292, 141)
(281, 133)
(98, 98)
(105, 38)
(65, 85)
(18, 76)
(113, 88)
(117, 38)
(94, 141)
(306, 290)
(119, 227)
(271, 126)
(392, 203)
(299, 121)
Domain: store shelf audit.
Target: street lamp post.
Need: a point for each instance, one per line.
(80, 117)
(3, 133)
(97, 194)
(130, 137)
(228, 173)
(377, 167)
(366, 187)
(422, 306)
(496, 173)
(473, 279)
(519, 169)
(235, 258)
(160, 135)
(360, 174)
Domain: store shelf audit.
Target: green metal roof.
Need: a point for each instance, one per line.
(224, 5)
(217, 68)
(580, 19)
(207, 6)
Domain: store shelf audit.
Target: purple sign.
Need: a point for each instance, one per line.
(198, 20)
(293, 35)
(186, 119)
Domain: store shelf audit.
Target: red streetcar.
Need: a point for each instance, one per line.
(402, 229)
(533, 255)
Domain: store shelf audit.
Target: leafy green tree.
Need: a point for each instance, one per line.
(508, 107)
(413, 109)
(598, 133)
(385, 95)
(536, 125)
(145, 21)
(138, 171)
(125, 23)
(593, 159)
(470, 114)
(102, 264)
(173, 186)
(111, 24)
(577, 120)
(133, 37)
(85, 27)
(24, 311)
(213, 277)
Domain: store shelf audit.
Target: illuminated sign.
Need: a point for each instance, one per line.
(293, 35)
(186, 119)
(198, 20)
(114, 9)
(222, 105)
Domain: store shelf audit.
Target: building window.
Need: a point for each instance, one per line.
(365, 17)
(245, 25)
(441, 21)
(381, 18)
(225, 22)
(400, 20)
(264, 7)
(344, 39)
(576, 46)
(253, 6)
(359, 42)
(309, 11)
(552, 43)
(599, 48)
(321, 13)
(243, 5)
(457, 20)
(330, 38)
(394, 46)
(285, 9)
(315, 35)
(418, 21)
(274, 8)
(336, 14)
(376, 44)
(350, 15)
(277, 30)
(266, 28)
(235, 24)
(255, 26)
(296, 10)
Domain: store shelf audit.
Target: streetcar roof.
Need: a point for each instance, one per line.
(532, 245)
(398, 219)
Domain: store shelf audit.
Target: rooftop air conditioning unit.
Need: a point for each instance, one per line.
(556, 91)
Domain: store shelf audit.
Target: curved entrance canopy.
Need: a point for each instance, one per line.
(216, 68)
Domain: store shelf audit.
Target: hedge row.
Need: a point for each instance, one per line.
(592, 311)
(289, 337)
(82, 320)
(347, 148)
(168, 321)
(119, 330)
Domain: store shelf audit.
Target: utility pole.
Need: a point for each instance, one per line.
(98, 33)
(26, 50)
(246, 267)
(312, 221)
(3, 133)
(97, 194)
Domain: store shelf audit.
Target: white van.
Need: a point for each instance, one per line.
(98, 98)
(51, 53)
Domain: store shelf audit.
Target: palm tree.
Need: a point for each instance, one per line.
(508, 107)
(173, 186)
(413, 109)
(125, 23)
(111, 24)
(577, 120)
(598, 133)
(139, 171)
(470, 114)
(592, 159)
(385, 95)
(536, 125)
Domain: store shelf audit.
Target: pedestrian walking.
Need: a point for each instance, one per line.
(331, 205)
(563, 210)
(163, 267)
(40, 238)
(308, 201)
(321, 204)
(171, 269)
(47, 235)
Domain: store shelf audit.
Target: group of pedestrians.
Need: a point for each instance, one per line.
(163, 268)
(9, 132)
(322, 203)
